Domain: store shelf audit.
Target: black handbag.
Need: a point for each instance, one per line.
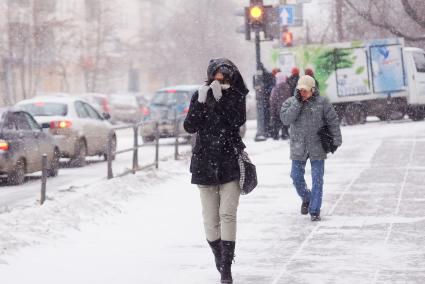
(248, 174)
(327, 139)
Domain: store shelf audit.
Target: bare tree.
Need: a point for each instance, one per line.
(203, 30)
(398, 18)
(99, 44)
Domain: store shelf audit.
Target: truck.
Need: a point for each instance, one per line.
(378, 77)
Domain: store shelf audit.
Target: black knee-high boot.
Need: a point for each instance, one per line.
(228, 253)
(216, 249)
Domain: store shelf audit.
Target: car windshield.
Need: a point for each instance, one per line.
(165, 98)
(123, 100)
(46, 109)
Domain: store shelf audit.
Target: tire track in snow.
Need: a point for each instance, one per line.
(397, 210)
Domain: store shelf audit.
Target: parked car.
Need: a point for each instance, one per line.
(99, 101)
(125, 108)
(165, 106)
(79, 129)
(143, 104)
(22, 144)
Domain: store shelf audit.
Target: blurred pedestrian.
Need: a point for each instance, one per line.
(306, 113)
(280, 93)
(216, 112)
(269, 83)
(293, 79)
(263, 105)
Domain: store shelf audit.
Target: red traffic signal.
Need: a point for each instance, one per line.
(287, 38)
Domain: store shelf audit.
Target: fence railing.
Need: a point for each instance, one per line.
(112, 153)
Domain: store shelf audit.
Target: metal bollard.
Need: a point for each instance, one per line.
(157, 145)
(388, 108)
(136, 149)
(43, 179)
(176, 144)
(109, 156)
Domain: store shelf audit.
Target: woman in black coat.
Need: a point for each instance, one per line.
(217, 111)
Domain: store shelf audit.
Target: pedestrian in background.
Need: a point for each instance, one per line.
(280, 93)
(310, 72)
(293, 79)
(306, 113)
(216, 112)
(263, 105)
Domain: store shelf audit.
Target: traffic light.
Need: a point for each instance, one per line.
(256, 15)
(287, 38)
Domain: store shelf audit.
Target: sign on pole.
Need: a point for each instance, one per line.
(287, 15)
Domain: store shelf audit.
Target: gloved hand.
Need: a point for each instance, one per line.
(216, 89)
(202, 93)
(298, 96)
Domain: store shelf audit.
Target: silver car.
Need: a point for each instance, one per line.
(22, 145)
(79, 129)
(125, 108)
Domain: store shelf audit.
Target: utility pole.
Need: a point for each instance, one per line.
(256, 14)
(339, 27)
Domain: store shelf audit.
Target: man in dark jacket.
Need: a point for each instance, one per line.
(269, 83)
(280, 93)
(217, 111)
(306, 113)
(293, 79)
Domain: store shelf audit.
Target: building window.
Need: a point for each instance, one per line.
(45, 6)
(92, 8)
(22, 3)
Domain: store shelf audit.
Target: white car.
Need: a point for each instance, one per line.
(79, 129)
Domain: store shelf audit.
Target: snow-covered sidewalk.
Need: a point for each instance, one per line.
(148, 229)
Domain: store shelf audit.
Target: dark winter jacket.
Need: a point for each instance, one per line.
(280, 94)
(293, 81)
(216, 124)
(305, 119)
(269, 83)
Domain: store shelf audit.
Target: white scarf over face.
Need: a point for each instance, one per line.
(225, 86)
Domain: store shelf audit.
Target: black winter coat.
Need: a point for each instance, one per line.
(216, 124)
(293, 81)
(280, 94)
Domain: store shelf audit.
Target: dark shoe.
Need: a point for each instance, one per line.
(216, 249)
(315, 218)
(228, 253)
(304, 207)
(260, 138)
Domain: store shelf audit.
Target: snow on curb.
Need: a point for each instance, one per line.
(70, 209)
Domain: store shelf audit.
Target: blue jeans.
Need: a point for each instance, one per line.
(317, 172)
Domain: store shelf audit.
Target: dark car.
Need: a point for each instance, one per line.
(165, 106)
(22, 144)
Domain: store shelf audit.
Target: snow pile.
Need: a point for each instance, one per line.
(69, 209)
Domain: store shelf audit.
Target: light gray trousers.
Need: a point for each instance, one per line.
(219, 210)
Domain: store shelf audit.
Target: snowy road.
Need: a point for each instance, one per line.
(147, 228)
(96, 170)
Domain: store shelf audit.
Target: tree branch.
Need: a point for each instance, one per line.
(383, 25)
(412, 13)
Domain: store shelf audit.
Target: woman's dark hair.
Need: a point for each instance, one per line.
(230, 73)
(227, 74)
